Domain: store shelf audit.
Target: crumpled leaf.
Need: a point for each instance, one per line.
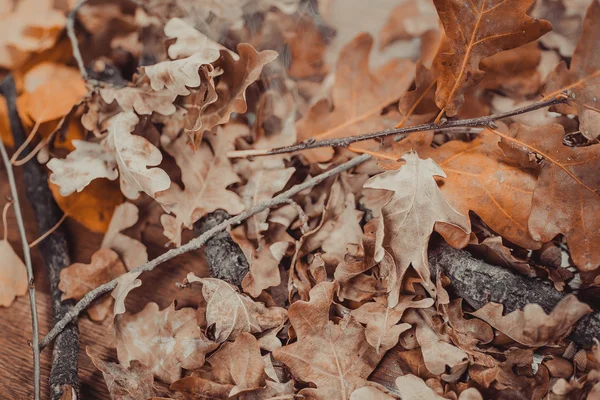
(133, 383)
(92, 207)
(120, 153)
(333, 356)
(237, 76)
(382, 331)
(412, 387)
(164, 341)
(358, 98)
(78, 279)
(232, 313)
(132, 251)
(189, 40)
(206, 174)
(532, 326)
(143, 100)
(477, 30)
(566, 198)
(33, 26)
(410, 216)
(239, 364)
(13, 275)
(582, 79)
(125, 284)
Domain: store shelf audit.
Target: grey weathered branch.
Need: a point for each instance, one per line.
(198, 242)
(55, 252)
(479, 283)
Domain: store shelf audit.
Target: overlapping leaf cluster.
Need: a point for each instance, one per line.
(338, 276)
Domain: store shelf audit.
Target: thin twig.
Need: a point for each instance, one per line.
(197, 243)
(346, 141)
(48, 232)
(73, 38)
(28, 265)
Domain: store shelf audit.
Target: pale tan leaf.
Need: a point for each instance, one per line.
(132, 252)
(412, 387)
(189, 40)
(232, 313)
(13, 275)
(142, 100)
(410, 216)
(125, 284)
(165, 341)
(369, 393)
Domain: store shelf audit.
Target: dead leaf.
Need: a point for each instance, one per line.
(120, 153)
(125, 284)
(93, 207)
(333, 356)
(239, 364)
(133, 383)
(232, 313)
(206, 174)
(409, 20)
(78, 279)
(566, 198)
(143, 100)
(189, 41)
(369, 393)
(164, 341)
(582, 79)
(132, 252)
(532, 326)
(409, 217)
(476, 31)
(13, 275)
(358, 98)
(412, 387)
(382, 329)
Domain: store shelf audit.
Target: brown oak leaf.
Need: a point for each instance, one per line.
(164, 341)
(566, 198)
(333, 355)
(408, 218)
(581, 80)
(408, 20)
(13, 274)
(358, 98)
(231, 313)
(132, 251)
(476, 30)
(143, 100)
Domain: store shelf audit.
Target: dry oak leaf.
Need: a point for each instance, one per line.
(133, 383)
(50, 92)
(32, 26)
(92, 207)
(189, 40)
(582, 79)
(132, 251)
(476, 30)
(125, 284)
(13, 274)
(120, 153)
(412, 387)
(232, 313)
(176, 76)
(78, 279)
(205, 173)
(142, 100)
(239, 364)
(408, 20)
(532, 326)
(566, 198)
(164, 341)
(409, 217)
(381, 321)
(358, 98)
(334, 356)
(237, 76)
(370, 393)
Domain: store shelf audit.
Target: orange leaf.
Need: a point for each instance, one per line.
(582, 79)
(566, 198)
(478, 29)
(93, 206)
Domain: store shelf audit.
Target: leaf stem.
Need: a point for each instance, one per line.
(197, 243)
(346, 141)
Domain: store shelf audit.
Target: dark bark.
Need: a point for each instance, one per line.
(479, 283)
(224, 257)
(55, 252)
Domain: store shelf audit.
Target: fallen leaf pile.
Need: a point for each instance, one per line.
(173, 119)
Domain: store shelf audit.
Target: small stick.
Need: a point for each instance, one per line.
(346, 141)
(73, 38)
(26, 253)
(197, 243)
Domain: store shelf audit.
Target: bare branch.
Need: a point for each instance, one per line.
(197, 243)
(346, 141)
(5, 89)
